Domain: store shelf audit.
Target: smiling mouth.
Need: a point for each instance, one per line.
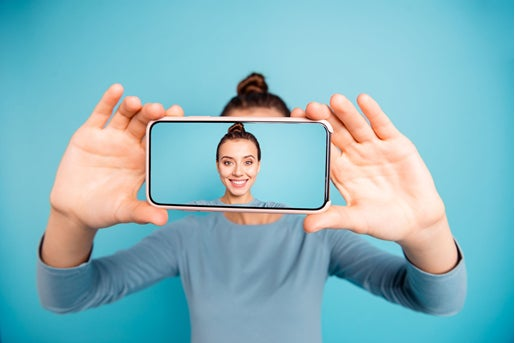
(238, 183)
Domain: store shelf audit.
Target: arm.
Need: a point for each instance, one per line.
(107, 279)
(98, 178)
(393, 277)
(96, 187)
(389, 191)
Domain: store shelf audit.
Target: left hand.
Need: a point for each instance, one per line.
(389, 191)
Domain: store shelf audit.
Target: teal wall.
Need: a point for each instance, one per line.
(443, 71)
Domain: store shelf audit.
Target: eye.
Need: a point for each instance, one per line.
(249, 163)
(227, 163)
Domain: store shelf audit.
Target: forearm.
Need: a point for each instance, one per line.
(432, 249)
(66, 243)
(106, 279)
(393, 278)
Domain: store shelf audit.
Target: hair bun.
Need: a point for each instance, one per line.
(236, 128)
(254, 83)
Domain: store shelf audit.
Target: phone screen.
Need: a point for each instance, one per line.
(183, 171)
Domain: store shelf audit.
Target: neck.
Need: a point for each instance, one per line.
(243, 218)
(236, 200)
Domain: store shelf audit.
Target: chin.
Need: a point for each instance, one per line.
(239, 194)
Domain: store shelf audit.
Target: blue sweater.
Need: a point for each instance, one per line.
(251, 283)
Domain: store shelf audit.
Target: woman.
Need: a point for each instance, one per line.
(252, 277)
(238, 158)
(238, 161)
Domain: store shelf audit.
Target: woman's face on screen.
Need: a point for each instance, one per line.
(238, 166)
(238, 178)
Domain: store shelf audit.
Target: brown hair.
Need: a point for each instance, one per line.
(252, 92)
(237, 131)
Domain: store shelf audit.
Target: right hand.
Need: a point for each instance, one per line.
(103, 167)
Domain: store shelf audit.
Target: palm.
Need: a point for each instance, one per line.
(388, 190)
(104, 166)
(103, 170)
(387, 187)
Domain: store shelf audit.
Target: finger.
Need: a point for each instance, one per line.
(298, 113)
(355, 123)
(138, 124)
(379, 121)
(317, 111)
(336, 217)
(174, 111)
(341, 136)
(105, 106)
(128, 109)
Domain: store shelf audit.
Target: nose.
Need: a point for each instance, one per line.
(237, 171)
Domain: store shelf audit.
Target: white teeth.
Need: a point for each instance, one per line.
(238, 182)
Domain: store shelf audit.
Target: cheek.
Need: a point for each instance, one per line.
(253, 170)
(226, 171)
(222, 170)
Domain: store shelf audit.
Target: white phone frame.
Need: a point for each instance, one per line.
(244, 209)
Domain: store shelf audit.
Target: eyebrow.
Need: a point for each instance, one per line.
(232, 158)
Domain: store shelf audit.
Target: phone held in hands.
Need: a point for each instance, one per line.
(189, 168)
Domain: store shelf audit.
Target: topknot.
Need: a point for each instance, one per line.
(253, 94)
(237, 131)
(254, 83)
(237, 128)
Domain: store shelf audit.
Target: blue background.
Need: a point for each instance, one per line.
(292, 169)
(443, 71)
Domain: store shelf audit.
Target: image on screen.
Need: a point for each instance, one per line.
(293, 171)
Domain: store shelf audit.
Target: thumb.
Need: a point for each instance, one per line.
(336, 217)
(142, 212)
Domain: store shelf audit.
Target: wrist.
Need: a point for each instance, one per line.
(432, 248)
(67, 243)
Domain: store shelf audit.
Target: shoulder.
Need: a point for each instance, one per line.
(269, 204)
(214, 202)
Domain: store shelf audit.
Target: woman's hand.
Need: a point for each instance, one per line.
(104, 165)
(99, 177)
(389, 191)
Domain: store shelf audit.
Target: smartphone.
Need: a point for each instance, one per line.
(184, 172)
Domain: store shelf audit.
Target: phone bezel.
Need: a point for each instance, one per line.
(232, 208)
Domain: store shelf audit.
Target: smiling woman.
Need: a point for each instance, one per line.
(244, 272)
(238, 158)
